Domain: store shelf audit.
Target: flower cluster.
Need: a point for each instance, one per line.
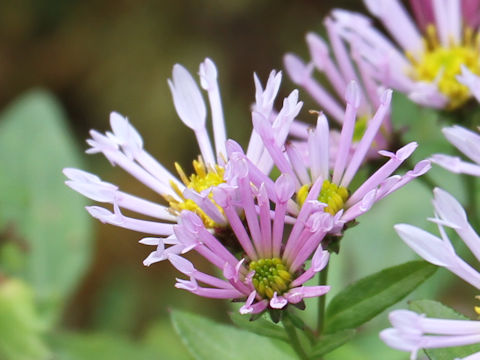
(224, 210)
(266, 234)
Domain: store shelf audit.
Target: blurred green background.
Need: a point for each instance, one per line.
(72, 288)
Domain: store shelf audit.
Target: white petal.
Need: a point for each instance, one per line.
(187, 98)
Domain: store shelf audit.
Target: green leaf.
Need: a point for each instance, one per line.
(207, 340)
(368, 297)
(260, 326)
(162, 338)
(72, 346)
(330, 342)
(48, 221)
(436, 309)
(366, 346)
(20, 326)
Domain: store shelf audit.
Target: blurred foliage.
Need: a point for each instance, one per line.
(20, 323)
(41, 216)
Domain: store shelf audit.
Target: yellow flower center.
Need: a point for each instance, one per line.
(271, 275)
(331, 194)
(444, 63)
(204, 178)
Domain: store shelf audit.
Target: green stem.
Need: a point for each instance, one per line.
(322, 280)
(293, 337)
(470, 190)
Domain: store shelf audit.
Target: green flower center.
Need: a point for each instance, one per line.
(271, 275)
(331, 194)
(446, 61)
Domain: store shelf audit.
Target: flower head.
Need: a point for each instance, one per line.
(306, 169)
(340, 68)
(266, 271)
(427, 60)
(412, 331)
(123, 147)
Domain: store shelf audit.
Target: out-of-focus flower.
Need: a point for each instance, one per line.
(427, 60)
(468, 142)
(268, 270)
(339, 68)
(124, 147)
(411, 331)
(339, 200)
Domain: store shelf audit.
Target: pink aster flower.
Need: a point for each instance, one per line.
(339, 67)
(412, 331)
(344, 203)
(468, 142)
(429, 51)
(268, 269)
(123, 147)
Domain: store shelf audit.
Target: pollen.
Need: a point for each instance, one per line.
(204, 178)
(331, 194)
(443, 63)
(271, 276)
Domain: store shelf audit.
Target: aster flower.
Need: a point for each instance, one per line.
(123, 147)
(412, 331)
(468, 142)
(315, 166)
(339, 68)
(429, 52)
(266, 271)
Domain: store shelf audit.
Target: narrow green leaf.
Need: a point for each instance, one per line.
(260, 326)
(330, 342)
(47, 220)
(368, 297)
(207, 340)
(436, 309)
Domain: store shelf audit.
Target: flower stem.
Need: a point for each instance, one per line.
(470, 189)
(322, 280)
(293, 337)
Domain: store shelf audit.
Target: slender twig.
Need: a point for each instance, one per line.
(322, 280)
(293, 337)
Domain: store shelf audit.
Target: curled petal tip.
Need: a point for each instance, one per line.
(208, 74)
(386, 97)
